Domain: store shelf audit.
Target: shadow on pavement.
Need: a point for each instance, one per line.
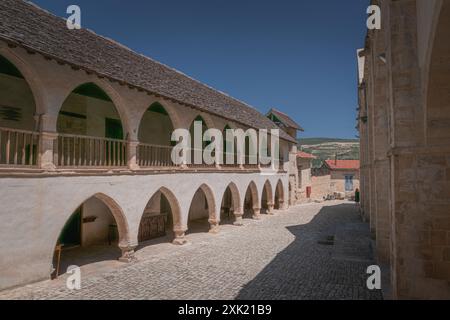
(327, 261)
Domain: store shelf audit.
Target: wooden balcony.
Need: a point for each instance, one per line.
(21, 149)
(149, 155)
(74, 151)
(18, 148)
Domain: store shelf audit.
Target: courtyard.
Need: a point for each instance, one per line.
(310, 251)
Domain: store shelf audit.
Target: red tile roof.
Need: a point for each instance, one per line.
(343, 164)
(305, 155)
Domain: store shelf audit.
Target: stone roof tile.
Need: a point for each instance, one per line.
(27, 25)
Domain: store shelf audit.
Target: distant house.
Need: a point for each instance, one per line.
(284, 122)
(304, 167)
(336, 177)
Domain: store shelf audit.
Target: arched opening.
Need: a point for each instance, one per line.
(266, 198)
(18, 144)
(279, 196)
(251, 201)
(161, 215)
(230, 204)
(438, 158)
(194, 149)
(156, 126)
(155, 132)
(91, 131)
(202, 212)
(91, 235)
(229, 148)
(438, 91)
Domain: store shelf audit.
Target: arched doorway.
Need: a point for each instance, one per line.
(90, 130)
(95, 232)
(251, 202)
(279, 196)
(197, 153)
(202, 212)
(155, 131)
(18, 126)
(267, 199)
(161, 215)
(230, 205)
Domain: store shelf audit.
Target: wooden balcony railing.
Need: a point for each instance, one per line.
(18, 148)
(76, 151)
(149, 155)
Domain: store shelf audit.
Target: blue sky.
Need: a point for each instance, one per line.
(298, 56)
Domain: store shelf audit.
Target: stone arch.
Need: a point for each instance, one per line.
(437, 88)
(204, 116)
(162, 111)
(279, 195)
(210, 200)
(115, 98)
(123, 231)
(119, 216)
(231, 191)
(17, 96)
(175, 212)
(30, 76)
(200, 211)
(267, 198)
(251, 201)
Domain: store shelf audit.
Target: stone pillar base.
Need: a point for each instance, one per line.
(238, 219)
(213, 226)
(256, 214)
(180, 238)
(127, 254)
(270, 210)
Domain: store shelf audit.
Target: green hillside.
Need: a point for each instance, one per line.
(329, 148)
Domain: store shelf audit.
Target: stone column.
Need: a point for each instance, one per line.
(180, 236)
(132, 149)
(270, 209)
(47, 156)
(238, 218)
(256, 213)
(213, 226)
(283, 205)
(127, 254)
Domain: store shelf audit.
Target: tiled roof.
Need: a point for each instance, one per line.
(285, 119)
(343, 164)
(33, 28)
(305, 155)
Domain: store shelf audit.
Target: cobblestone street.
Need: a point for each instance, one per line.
(312, 251)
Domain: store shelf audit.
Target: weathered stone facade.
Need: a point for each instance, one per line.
(404, 124)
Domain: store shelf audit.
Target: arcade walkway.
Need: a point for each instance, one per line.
(312, 251)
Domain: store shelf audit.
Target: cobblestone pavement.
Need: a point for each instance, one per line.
(303, 253)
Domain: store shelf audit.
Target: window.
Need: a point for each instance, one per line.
(349, 183)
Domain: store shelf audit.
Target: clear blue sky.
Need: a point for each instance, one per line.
(298, 55)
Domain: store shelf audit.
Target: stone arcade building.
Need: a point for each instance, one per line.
(404, 124)
(85, 128)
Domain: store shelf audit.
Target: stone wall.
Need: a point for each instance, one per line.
(404, 112)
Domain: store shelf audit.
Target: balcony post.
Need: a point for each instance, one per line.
(132, 151)
(48, 150)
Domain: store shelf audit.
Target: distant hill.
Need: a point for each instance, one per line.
(328, 148)
(314, 141)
